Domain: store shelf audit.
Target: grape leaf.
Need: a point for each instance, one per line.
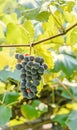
(5, 74)
(17, 34)
(72, 120)
(5, 115)
(11, 97)
(66, 63)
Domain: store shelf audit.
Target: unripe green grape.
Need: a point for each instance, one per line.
(20, 57)
(18, 66)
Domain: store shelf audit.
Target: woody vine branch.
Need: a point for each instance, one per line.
(41, 41)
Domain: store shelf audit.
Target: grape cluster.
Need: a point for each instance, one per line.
(31, 68)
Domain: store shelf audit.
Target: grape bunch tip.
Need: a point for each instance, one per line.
(31, 68)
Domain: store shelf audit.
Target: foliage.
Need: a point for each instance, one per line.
(28, 22)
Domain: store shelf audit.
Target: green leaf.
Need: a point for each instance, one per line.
(69, 6)
(73, 36)
(29, 112)
(17, 34)
(5, 74)
(34, 110)
(29, 27)
(31, 13)
(66, 63)
(11, 97)
(60, 119)
(72, 120)
(5, 115)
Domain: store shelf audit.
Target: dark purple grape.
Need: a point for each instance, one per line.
(36, 65)
(36, 82)
(20, 57)
(23, 71)
(41, 70)
(16, 56)
(33, 89)
(41, 60)
(37, 59)
(18, 66)
(23, 76)
(31, 58)
(28, 78)
(26, 58)
(28, 73)
(30, 64)
(45, 66)
(33, 71)
(28, 84)
(31, 95)
(24, 64)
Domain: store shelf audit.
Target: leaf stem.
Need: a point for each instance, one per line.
(43, 40)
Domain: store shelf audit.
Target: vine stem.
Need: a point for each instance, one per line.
(67, 90)
(43, 40)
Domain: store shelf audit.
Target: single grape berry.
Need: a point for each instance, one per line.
(41, 60)
(28, 84)
(45, 66)
(28, 78)
(20, 57)
(31, 95)
(23, 76)
(33, 71)
(36, 65)
(25, 94)
(30, 64)
(41, 70)
(36, 82)
(26, 58)
(37, 59)
(31, 58)
(23, 71)
(16, 56)
(18, 66)
(28, 73)
(33, 89)
(24, 64)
